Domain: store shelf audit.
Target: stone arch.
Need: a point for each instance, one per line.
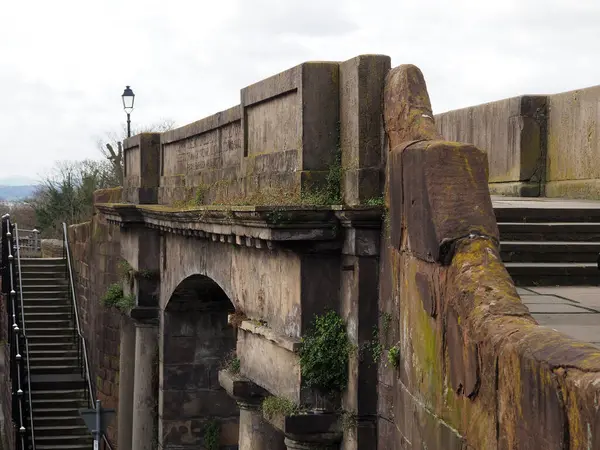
(195, 341)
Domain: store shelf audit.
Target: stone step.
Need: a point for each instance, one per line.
(42, 279)
(59, 352)
(48, 322)
(51, 342)
(52, 361)
(540, 251)
(55, 370)
(59, 273)
(552, 231)
(547, 214)
(58, 381)
(43, 344)
(83, 441)
(42, 261)
(50, 332)
(35, 316)
(53, 300)
(47, 307)
(57, 393)
(60, 403)
(64, 447)
(61, 430)
(43, 268)
(553, 274)
(51, 420)
(52, 287)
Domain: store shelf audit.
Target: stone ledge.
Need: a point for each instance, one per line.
(240, 388)
(252, 226)
(288, 343)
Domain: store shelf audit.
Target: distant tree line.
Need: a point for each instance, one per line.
(66, 192)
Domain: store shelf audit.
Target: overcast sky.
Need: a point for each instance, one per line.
(64, 64)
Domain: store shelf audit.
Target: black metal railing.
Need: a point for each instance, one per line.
(82, 351)
(17, 335)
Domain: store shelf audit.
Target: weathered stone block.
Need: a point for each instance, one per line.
(511, 133)
(268, 365)
(573, 144)
(141, 163)
(441, 182)
(361, 125)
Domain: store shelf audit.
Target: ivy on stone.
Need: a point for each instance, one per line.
(324, 354)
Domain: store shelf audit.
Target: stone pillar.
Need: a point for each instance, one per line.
(145, 392)
(361, 126)
(255, 432)
(298, 445)
(126, 383)
(141, 164)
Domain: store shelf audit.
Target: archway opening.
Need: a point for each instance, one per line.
(196, 343)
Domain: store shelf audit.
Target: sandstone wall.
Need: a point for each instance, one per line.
(536, 145)
(473, 370)
(511, 132)
(285, 143)
(574, 144)
(95, 248)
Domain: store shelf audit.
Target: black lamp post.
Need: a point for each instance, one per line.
(128, 98)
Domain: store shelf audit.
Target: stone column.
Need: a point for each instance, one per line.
(145, 393)
(255, 433)
(297, 445)
(126, 377)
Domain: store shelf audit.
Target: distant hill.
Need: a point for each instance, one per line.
(16, 193)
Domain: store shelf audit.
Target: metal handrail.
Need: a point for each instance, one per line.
(106, 442)
(23, 321)
(76, 313)
(16, 360)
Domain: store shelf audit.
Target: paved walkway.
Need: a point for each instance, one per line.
(574, 310)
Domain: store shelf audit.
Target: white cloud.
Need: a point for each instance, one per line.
(64, 64)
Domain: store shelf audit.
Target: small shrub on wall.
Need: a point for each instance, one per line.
(324, 354)
(115, 298)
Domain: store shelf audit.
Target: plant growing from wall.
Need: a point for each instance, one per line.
(212, 435)
(231, 363)
(376, 346)
(125, 270)
(331, 192)
(115, 298)
(394, 356)
(324, 354)
(375, 201)
(273, 406)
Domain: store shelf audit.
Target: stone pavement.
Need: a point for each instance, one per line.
(574, 310)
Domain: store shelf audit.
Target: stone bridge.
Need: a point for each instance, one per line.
(231, 246)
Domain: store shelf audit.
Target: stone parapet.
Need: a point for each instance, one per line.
(467, 366)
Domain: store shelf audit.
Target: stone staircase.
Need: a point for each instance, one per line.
(544, 243)
(58, 388)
